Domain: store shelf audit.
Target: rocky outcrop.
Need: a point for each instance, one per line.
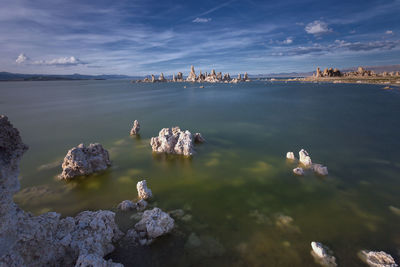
(319, 169)
(129, 205)
(298, 171)
(192, 75)
(327, 73)
(304, 158)
(305, 161)
(155, 223)
(46, 240)
(83, 160)
(290, 155)
(173, 141)
(198, 138)
(136, 128)
(161, 78)
(377, 258)
(322, 255)
(143, 191)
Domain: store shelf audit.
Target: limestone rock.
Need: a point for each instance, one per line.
(143, 191)
(192, 75)
(83, 160)
(153, 78)
(319, 169)
(290, 155)
(127, 205)
(136, 128)
(246, 77)
(377, 259)
(304, 158)
(46, 240)
(322, 254)
(173, 141)
(161, 78)
(298, 171)
(155, 223)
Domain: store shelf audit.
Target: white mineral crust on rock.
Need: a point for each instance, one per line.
(155, 223)
(136, 128)
(83, 160)
(304, 158)
(319, 169)
(173, 141)
(298, 171)
(46, 240)
(377, 259)
(290, 155)
(143, 191)
(322, 254)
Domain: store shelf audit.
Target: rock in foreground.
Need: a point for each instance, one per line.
(136, 128)
(175, 141)
(155, 223)
(46, 240)
(377, 259)
(83, 160)
(322, 255)
(143, 191)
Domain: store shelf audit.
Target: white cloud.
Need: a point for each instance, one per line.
(317, 27)
(201, 20)
(63, 61)
(22, 58)
(288, 40)
(389, 32)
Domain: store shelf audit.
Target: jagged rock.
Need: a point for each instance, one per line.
(155, 223)
(304, 158)
(173, 141)
(179, 77)
(290, 155)
(322, 255)
(143, 191)
(45, 240)
(192, 75)
(136, 128)
(319, 169)
(161, 78)
(298, 171)
(246, 77)
(377, 258)
(83, 160)
(174, 78)
(153, 78)
(198, 138)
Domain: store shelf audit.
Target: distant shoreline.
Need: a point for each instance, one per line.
(385, 81)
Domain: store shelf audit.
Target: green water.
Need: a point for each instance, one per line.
(238, 185)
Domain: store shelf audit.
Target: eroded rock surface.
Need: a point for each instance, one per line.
(377, 258)
(290, 155)
(322, 254)
(83, 160)
(319, 169)
(129, 205)
(298, 171)
(136, 128)
(304, 158)
(46, 240)
(174, 141)
(143, 191)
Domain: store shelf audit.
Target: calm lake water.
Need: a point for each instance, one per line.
(243, 206)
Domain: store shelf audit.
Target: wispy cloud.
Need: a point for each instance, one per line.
(389, 32)
(317, 27)
(288, 41)
(63, 61)
(201, 20)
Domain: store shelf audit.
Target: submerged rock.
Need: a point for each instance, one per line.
(83, 160)
(304, 158)
(319, 169)
(46, 240)
(198, 138)
(136, 128)
(298, 171)
(290, 155)
(173, 141)
(143, 191)
(322, 255)
(377, 258)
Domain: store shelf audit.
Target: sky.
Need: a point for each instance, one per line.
(140, 37)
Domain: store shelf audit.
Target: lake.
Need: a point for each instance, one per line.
(243, 205)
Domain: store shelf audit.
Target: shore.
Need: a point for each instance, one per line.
(386, 81)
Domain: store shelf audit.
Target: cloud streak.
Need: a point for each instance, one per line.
(317, 27)
(63, 61)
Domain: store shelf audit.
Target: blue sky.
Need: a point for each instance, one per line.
(139, 37)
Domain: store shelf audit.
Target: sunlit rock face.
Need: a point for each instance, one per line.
(192, 75)
(377, 258)
(173, 141)
(46, 240)
(155, 223)
(143, 191)
(83, 160)
(304, 158)
(322, 255)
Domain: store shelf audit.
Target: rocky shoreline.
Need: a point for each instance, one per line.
(212, 77)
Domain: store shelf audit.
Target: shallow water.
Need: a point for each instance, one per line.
(238, 188)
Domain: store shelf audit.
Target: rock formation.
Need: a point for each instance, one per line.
(298, 171)
(155, 223)
(173, 141)
(319, 169)
(192, 75)
(136, 128)
(198, 138)
(305, 158)
(161, 78)
(153, 78)
(246, 77)
(143, 191)
(83, 160)
(46, 240)
(377, 259)
(290, 155)
(322, 255)
(128, 205)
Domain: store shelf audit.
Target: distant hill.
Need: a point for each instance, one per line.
(8, 76)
